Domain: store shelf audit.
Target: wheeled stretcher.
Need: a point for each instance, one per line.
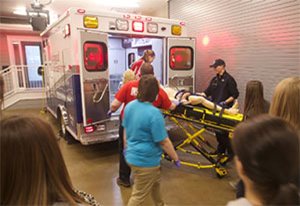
(193, 121)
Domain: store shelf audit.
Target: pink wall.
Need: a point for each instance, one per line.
(4, 55)
(6, 51)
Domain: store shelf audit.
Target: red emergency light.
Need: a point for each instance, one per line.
(178, 58)
(138, 26)
(80, 11)
(138, 17)
(95, 56)
(126, 16)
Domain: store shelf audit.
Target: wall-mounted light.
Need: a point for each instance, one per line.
(20, 11)
(205, 40)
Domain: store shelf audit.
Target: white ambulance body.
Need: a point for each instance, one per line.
(86, 53)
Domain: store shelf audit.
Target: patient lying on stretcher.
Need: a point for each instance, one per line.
(185, 97)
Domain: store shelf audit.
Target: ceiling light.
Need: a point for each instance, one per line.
(20, 11)
(120, 3)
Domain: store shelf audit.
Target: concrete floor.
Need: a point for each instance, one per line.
(94, 169)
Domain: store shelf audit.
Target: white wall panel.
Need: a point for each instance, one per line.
(258, 39)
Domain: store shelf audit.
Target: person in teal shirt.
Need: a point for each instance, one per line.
(145, 138)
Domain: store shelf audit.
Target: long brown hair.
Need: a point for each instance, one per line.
(33, 171)
(268, 148)
(254, 98)
(286, 101)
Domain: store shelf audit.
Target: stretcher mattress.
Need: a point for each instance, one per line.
(207, 117)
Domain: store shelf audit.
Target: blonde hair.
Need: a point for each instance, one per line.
(128, 75)
(33, 171)
(286, 101)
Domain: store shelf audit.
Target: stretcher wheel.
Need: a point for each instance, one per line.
(221, 172)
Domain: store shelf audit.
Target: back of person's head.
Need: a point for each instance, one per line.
(33, 171)
(128, 76)
(286, 101)
(268, 149)
(146, 69)
(148, 54)
(254, 97)
(148, 88)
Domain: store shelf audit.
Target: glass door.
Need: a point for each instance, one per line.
(33, 59)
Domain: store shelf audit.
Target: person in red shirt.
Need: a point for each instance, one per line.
(148, 57)
(126, 94)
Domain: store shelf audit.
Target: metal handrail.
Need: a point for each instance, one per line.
(16, 78)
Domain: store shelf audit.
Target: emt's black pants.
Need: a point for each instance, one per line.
(124, 169)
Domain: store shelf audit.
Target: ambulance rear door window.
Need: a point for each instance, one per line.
(95, 56)
(181, 58)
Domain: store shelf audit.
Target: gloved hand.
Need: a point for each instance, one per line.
(176, 102)
(177, 163)
(223, 104)
(109, 113)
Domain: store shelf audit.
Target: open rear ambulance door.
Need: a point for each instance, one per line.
(181, 63)
(94, 77)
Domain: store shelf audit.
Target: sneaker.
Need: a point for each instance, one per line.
(123, 183)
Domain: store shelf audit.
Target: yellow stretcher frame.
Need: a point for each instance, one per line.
(195, 138)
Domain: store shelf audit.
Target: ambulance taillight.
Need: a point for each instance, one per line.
(89, 129)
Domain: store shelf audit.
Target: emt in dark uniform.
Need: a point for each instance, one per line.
(126, 94)
(223, 91)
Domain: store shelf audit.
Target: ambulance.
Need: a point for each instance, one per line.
(85, 55)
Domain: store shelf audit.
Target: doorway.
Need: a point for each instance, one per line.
(32, 57)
